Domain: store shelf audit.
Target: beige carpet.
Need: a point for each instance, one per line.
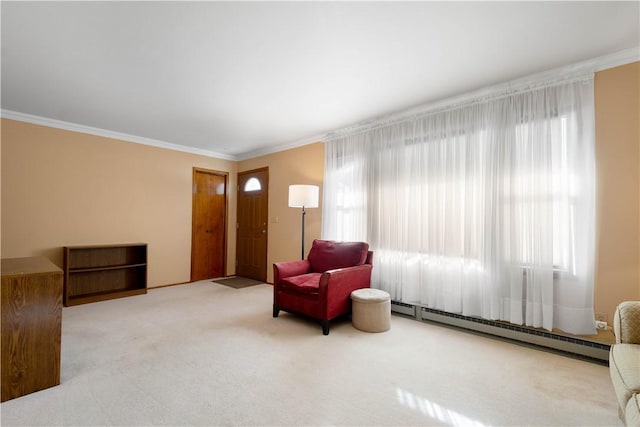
(199, 354)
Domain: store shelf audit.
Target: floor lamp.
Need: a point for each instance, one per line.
(303, 196)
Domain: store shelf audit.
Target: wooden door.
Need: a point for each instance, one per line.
(208, 226)
(251, 247)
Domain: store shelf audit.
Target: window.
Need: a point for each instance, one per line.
(485, 209)
(252, 184)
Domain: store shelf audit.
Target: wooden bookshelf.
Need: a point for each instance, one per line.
(101, 272)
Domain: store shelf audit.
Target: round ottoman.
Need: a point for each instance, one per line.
(371, 310)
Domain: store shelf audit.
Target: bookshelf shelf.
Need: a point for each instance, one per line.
(101, 272)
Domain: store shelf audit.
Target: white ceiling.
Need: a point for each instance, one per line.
(234, 78)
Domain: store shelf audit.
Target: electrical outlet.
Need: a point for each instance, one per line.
(601, 325)
(601, 317)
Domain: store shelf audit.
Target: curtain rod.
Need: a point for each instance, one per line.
(519, 86)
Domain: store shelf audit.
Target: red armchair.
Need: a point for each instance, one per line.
(320, 286)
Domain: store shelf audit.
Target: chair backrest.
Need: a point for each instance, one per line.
(328, 254)
(626, 322)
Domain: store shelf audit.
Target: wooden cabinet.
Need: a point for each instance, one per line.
(96, 273)
(31, 325)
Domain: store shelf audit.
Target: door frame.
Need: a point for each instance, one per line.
(225, 175)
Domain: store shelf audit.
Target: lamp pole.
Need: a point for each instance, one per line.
(304, 213)
(303, 196)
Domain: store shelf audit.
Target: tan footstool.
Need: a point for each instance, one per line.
(371, 310)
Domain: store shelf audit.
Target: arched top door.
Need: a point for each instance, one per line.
(252, 230)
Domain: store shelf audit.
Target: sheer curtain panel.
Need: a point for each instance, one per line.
(483, 209)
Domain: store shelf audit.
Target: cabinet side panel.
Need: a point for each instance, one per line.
(31, 333)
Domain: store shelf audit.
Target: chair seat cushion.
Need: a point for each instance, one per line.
(305, 283)
(624, 366)
(632, 413)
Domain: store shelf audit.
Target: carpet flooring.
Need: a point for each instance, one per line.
(203, 355)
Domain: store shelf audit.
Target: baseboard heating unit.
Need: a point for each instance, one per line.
(563, 343)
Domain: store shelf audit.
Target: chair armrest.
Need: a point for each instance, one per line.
(286, 269)
(342, 281)
(626, 323)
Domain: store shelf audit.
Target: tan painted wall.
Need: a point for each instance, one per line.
(617, 97)
(139, 193)
(66, 188)
(617, 105)
(303, 165)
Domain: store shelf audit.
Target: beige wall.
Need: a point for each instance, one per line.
(61, 188)
(303, 165)
(66, 188)
(617, 98)
(617, 102)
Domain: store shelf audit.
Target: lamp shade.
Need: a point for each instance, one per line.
(303, 196)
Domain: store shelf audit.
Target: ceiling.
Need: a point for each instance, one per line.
(238, 78)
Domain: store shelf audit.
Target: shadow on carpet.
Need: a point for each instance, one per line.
(238, 282)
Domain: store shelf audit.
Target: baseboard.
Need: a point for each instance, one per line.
(573, 345)
(167, 285)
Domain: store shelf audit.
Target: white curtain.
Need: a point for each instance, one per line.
(483, 209)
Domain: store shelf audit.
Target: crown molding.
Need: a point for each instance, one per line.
(617, 59)
(281, 147)
(74, 127)
(601, 63)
